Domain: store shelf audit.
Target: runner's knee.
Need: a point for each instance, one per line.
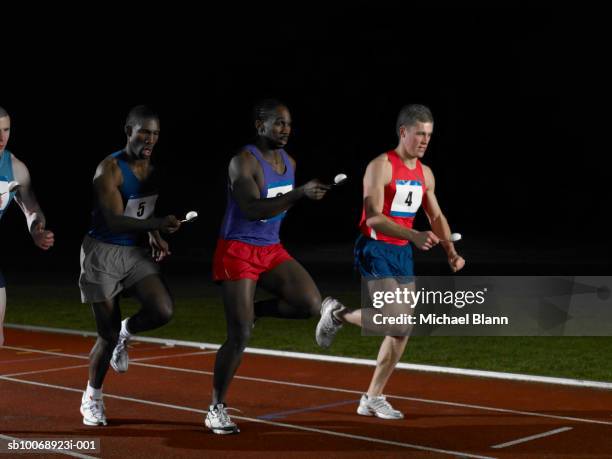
(240, 337)
(313, 302)
(106, 342)
(163, 311)
(401, 339)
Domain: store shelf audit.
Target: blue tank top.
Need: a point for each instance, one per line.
(237, 227)
(138, 202)
(6, 176)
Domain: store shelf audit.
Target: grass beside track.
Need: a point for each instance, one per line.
(199, 317)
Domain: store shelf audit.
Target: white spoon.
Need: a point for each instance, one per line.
(453, 238)
(339, 179)
(191, 216)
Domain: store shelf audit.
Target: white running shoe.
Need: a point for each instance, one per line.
(120, 360)
(219, 421)
(92, 410)
(328, 325)
(379, 407)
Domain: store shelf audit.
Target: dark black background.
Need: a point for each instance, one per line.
(519, 95)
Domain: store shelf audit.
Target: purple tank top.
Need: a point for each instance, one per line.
(237, 227)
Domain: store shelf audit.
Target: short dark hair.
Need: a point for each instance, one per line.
(264, 108)
(140, 113)
(409, 115)
(3, 112)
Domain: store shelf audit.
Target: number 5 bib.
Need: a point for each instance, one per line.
(140, 207)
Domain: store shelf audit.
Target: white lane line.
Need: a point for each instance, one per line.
(399, 397)
(60, 354)
(5, 362)
(370, 439)
(49, 370)
(262, 421)
(58, 451)
(532, 437)
(349, 391)
(72, 367)
(185, 354)
(33, 351)
(86, 357)
(332, 358)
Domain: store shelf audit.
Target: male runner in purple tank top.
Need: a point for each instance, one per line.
(249, 253)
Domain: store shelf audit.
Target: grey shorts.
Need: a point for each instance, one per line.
(107, 269)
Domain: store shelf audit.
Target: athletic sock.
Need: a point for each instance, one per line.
(95, 394)
(124, 328)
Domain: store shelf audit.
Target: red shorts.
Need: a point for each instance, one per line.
(235, 260)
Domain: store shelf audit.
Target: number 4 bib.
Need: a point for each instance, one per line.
(407, 199)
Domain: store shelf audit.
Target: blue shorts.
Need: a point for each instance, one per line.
(378, 259)
(2, 281)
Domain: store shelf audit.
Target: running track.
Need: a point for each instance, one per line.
(288, 407)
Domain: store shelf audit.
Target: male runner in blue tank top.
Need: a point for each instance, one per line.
(113, 258)
(249, 253)
(11, 169)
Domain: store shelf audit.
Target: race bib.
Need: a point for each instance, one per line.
(140, 207)
(407, 199)
(279, 189)
(5, 198)
(275, 190)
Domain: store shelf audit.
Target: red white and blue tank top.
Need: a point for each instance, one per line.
(403, 197)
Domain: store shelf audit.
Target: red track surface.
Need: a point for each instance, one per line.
(289, 407)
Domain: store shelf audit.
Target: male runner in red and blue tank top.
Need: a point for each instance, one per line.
(249, 253)
(395, 185)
